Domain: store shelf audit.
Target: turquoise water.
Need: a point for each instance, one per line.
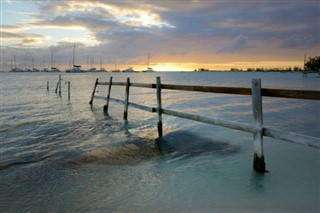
(64, 156)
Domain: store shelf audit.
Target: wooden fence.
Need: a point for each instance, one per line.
(256, 128)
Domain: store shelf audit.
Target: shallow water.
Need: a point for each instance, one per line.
(65, 156)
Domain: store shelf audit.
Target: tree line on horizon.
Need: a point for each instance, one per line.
(313, 64)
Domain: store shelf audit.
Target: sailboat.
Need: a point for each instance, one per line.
(75, 68)
(149, 69)
(53, 68)
(93, 69)
(14, 67)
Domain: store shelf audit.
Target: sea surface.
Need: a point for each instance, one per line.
(60, 155)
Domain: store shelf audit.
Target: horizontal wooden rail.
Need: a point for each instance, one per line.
(212, 89)
(224, 123)
(279, 93)
(297, 94)
(292, 137)
(131, 84)
(134, 105)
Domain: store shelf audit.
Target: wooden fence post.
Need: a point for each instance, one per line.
(57, 87)
(159, 108)
(68, 90)
(258, 156)
(105, 108)
(93, 92)
(126, 103)
(60, 84)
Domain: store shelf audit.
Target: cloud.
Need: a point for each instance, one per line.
(239, 43)
(301, 42)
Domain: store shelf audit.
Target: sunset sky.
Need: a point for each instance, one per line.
(179, 35)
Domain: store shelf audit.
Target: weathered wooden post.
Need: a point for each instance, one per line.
(60, 85)
(258, 156)
(93, 92)
(57, 87)
(47, 85)
(68, 90)
(126, 103)
(105, 108)
(159, 107)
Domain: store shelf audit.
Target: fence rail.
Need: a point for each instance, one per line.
(255, 91)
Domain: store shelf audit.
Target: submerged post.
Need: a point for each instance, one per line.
(47, 85)
(93, 92)
(68, 90)
(258, 156)
(57, 87)
(105, 108)
(159, 107)
(60, 85)
(126, 102)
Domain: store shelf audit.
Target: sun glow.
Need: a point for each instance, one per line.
(173, 67)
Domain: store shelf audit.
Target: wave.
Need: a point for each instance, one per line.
(16, 162)
(174, 146)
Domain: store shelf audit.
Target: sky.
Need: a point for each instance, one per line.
(179, 35)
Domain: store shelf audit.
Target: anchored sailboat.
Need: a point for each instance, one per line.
(53, 67)
(14, 67)
(149, 69)
(75, 68)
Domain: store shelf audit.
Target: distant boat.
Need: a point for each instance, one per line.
(14, 67)
(75, 68)
(53, 68)
(129, 69)
(149, 69)
(93, 69)
(115, 68)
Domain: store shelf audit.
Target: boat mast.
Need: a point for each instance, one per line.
(51, 60)
(14, 62)
(74, 52)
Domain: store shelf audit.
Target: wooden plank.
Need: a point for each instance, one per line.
(104, 83)
(298, 94)
(125, 112)
(213, 121)
(113, 83)
(211, 89)
(293, 137)
(94, 91)
(143, 107)
(159, 107)
(131, 84)
(258, 156)
(117, 100)
(135, 105)
(143, 85)
(100, 97)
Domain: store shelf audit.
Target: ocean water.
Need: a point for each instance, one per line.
(60, 155)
